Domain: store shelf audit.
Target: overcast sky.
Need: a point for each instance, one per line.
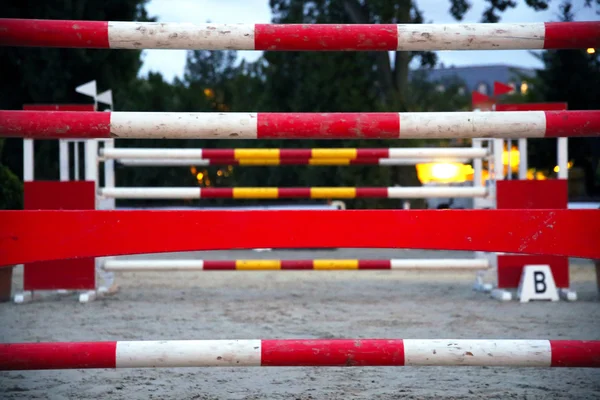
(171, 62)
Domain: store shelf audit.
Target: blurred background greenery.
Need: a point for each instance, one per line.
(280, 81)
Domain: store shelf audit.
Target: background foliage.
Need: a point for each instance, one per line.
(278, 81)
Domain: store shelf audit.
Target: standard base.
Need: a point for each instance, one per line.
(83, 297)
(504, 295)
(23, 297)
(483, 287)
(567, 294)
(501, 295)
(88, 296)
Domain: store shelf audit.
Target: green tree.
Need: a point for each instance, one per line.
(391, 78)
(50, 75)
(11, 188)
(571, 76)
(363, 81)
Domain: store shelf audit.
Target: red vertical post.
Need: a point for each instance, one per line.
(75, 274)
(530, 194)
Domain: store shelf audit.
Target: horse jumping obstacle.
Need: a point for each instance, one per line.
(298, 37)
(431, 125)
(97, 233)
(48, 277)
(289, 265)
(301, 353)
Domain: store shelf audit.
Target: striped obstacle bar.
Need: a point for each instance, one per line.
(262, 157)
(296, 154)
(431, 125)
(300, 353)
(173, 162)
(290, 193)
(298, 37)
(29, 236)
(289, 265)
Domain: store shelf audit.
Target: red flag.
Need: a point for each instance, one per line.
(481, 101)
(501, 88)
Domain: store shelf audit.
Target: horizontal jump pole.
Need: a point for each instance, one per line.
(290, 265)
(434, 125)
(39, 235)
(298, 37)
(290, 193)
(292, 154)
(175, 162)
(300, 353)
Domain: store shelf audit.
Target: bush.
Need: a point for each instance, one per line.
(11, 190)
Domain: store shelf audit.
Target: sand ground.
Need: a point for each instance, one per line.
(303, 304)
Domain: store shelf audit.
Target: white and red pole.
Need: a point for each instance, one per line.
(299, 37)
(300, 353)
(433, 125)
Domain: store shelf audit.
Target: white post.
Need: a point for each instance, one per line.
(63, 152)
(91, 160)
(109, 178)
(498, 166)
(76, 160)
(509, 149)
(91, 163)
(28, 160)
(523, 158)
(477, 165)
(563, 158)
(109, 166)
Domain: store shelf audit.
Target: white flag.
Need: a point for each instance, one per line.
(88, 89)
(105, 97)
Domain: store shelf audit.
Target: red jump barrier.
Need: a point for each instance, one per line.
(27, 236)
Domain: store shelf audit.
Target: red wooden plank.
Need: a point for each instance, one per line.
(27, 236)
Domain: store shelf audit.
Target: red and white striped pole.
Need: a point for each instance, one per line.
(434, 125)
(300, 353)
(299, 37)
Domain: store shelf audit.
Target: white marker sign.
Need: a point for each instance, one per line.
(537, 283)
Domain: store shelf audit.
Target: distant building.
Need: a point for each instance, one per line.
(480, 77)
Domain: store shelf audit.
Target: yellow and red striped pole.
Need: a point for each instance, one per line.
(290, 193)
(125, 265)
